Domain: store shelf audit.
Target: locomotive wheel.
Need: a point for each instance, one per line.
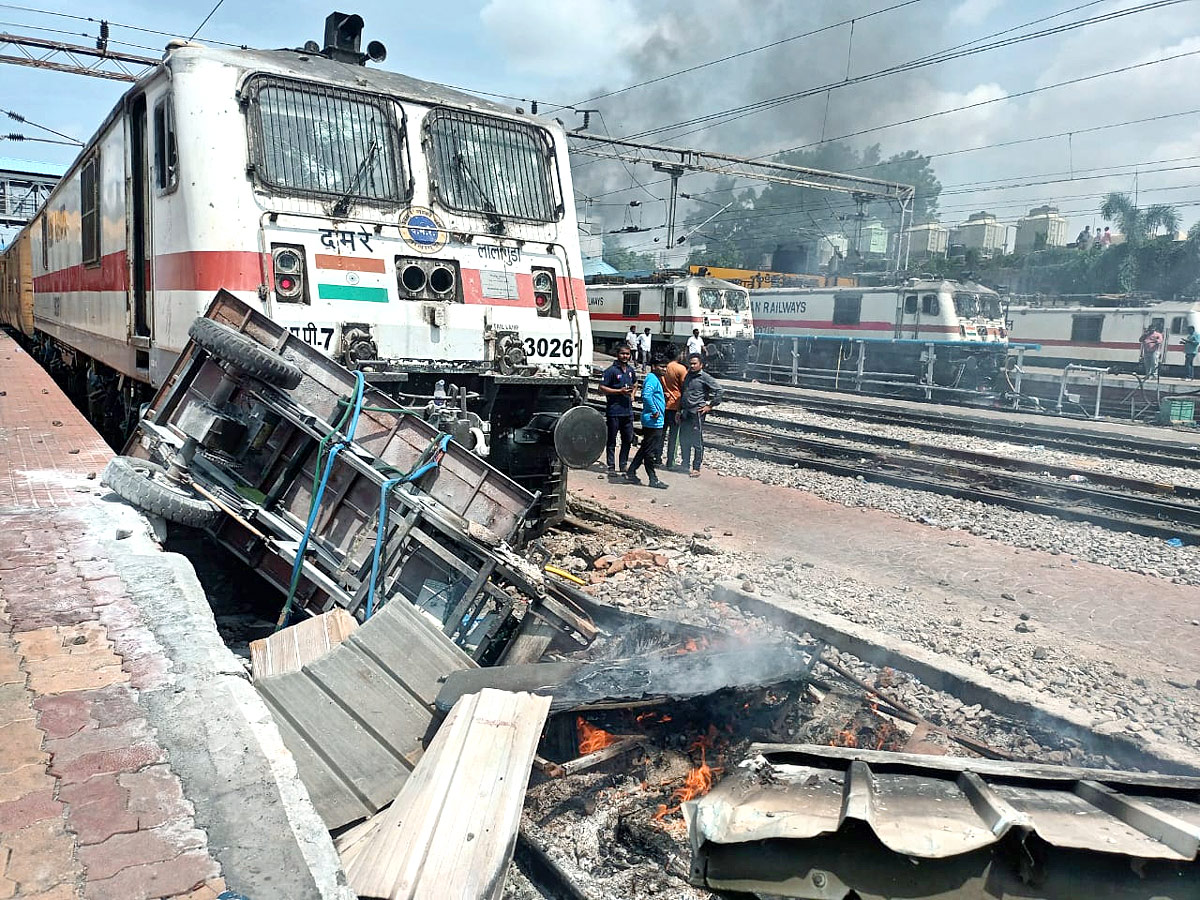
(145, 485)
(244, 353)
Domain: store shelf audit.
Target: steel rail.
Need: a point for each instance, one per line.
(1119, 511)
(1126, 504)
(1057, 435)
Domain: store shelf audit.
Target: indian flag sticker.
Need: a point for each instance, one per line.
(362, 278)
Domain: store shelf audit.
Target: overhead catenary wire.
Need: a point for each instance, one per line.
(960, 51)
(741, 53)
(211, 13)
(17, 117)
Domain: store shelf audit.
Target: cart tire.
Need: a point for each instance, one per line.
(144, 484)
(244, 353)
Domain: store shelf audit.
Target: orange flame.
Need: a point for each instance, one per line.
(591, 738)
(699, 782)
(692, 645)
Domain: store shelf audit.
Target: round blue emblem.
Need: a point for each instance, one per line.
(422, 229)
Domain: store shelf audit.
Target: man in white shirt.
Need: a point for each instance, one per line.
(631, 341)
(644, 349)
(695, 344)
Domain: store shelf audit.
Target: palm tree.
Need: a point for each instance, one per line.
(1137, 225)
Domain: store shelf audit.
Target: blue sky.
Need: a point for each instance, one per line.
(566, 51)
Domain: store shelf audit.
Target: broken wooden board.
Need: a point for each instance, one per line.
(608, 684)
(356, 719)
(292, 648)
(452, 829)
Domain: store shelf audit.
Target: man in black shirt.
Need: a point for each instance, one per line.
(617, 385)
(700, 394)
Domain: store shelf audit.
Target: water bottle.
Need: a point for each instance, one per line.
(439, 393)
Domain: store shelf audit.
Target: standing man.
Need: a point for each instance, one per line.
(1191, 343)
(672, 383)
(1083, 240)
(1152, 341)
(700, 394)
(654, 408)
(644, 349)
(695, 344)
(631, 341)
(617, 385)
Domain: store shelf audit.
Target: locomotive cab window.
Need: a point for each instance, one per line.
(89, 210)
(313, 140)
(166, 153)
(1086, 329)
(930, 305)
(631, 304)
(1177, 325)
(1158, 325)
(498, 168)
(847, 309)
(910, 304)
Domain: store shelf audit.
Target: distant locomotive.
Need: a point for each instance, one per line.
(1106, 336)
(896, 326)
(423, 236)
(672, 306)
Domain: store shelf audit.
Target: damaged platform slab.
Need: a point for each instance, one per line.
(136, 760)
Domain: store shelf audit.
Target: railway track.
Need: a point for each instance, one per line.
(1115, 502)
(1057, 435)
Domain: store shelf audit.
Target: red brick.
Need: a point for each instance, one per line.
(97, 809)
(155, 796)
(127, 759)
(26, 810)
(63, 714)
(95, 740)
(147, 672)
(122, 851)
(184, 873)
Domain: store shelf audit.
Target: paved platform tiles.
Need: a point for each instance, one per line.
(1120, 613)
(134, 763)
(89, 804)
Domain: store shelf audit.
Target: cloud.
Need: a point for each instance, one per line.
(580, 38)
(972, 12)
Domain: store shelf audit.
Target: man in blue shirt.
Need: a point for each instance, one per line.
(654, 417)
(617, 386)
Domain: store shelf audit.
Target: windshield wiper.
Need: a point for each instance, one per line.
(342, 206)
(489, 208)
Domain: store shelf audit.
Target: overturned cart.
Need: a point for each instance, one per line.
(335, 495)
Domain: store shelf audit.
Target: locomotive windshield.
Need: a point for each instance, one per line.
(966, 305)
(710, 299)
(736, 300)
(990, 306)
(314, 140)
(497, 167)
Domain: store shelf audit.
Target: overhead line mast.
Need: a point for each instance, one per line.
(675, 161)
(75, 59)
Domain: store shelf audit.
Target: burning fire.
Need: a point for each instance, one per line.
(693, 645)
(699, 780)
(591, 738)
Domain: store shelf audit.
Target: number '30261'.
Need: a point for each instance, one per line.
(549, 347)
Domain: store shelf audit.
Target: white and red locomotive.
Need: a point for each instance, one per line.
(672, 306)
(411, 231)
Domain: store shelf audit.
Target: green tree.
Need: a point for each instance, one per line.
(1139, 224)
(626, 260)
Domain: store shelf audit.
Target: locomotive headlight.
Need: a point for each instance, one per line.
(288, 263)
(545, 292)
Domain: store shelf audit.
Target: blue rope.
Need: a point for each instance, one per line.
(384, 490)
(315, 506)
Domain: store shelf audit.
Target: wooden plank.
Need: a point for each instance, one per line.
(406, 644)
(391, 714)
(295, 646)
(452, 829)
(336, 802)
(342, 743)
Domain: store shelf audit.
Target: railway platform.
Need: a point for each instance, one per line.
(135, 759)
(953, 576)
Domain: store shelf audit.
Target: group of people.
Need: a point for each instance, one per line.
(1153, 344)
(639, 345)
(1091, 240)
(676, 399)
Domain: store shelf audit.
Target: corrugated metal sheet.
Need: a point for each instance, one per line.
(355, 719)
(825, 822)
